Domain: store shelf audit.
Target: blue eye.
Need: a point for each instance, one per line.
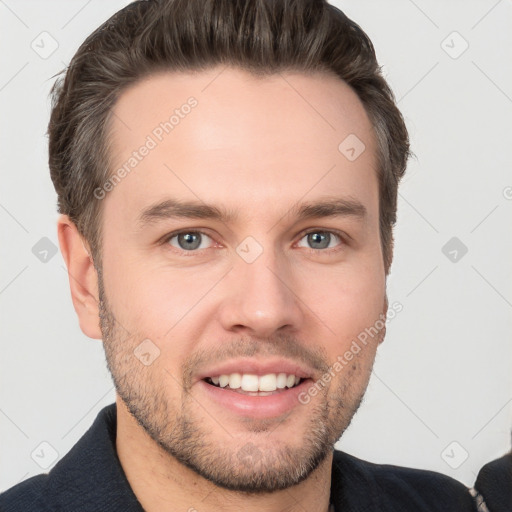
(188, 240)
(319, 240)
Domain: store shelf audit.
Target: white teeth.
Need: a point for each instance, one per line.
(249, 382)
(281, 380)
(235, 380)
(252, 382)
(268, 382)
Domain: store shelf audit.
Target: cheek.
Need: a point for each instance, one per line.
(161, 303)
(351, 306)
(154, 305)
(349, 301)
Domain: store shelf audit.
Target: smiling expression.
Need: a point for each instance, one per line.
(245, 242)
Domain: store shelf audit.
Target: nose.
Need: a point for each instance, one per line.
(262, 298)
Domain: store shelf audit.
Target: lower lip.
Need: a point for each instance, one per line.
(256, 406)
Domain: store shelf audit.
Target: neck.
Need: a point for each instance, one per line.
(161, 483)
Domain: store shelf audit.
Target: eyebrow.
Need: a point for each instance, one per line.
(174, 209)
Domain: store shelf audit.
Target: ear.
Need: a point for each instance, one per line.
(83, 278)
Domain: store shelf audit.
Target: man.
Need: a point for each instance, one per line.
(227, 176)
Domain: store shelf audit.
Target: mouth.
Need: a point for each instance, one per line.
(255, 385)
(254, 396)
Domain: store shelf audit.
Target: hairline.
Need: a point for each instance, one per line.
(107, 139)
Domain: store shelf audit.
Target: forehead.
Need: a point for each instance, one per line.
(225, 135)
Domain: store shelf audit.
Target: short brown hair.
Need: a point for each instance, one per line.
(261, 36)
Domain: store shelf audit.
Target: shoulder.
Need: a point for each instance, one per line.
(25, 496)
(401, 488)
(494, 483)
(84, 471)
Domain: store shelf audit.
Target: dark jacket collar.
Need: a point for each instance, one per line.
(90, 478)
(91, 473)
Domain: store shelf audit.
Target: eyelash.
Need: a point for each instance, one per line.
(310, 250)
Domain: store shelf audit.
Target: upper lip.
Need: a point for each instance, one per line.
(257, 367)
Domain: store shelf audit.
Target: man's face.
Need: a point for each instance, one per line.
(261, 291)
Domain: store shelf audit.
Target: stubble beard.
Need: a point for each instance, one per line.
(251, 463)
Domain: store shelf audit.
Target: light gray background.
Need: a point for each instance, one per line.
(443, 375)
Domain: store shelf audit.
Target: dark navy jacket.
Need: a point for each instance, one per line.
(90, 478)
(494, 483)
